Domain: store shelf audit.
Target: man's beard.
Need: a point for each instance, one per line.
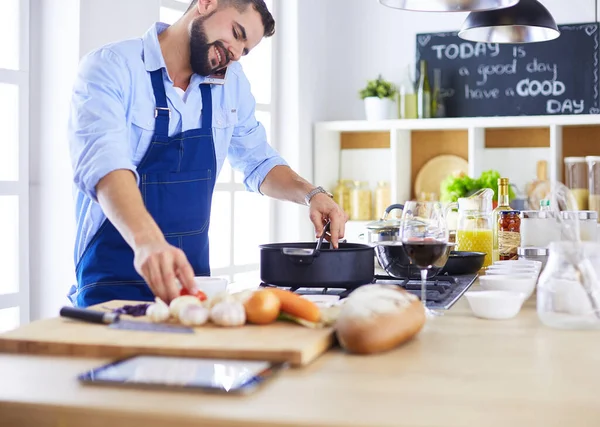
(199, 48)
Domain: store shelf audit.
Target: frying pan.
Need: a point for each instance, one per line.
(460, 263)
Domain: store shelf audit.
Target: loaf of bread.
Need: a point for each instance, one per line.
(378, 318)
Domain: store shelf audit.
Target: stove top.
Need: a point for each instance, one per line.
(442, 292)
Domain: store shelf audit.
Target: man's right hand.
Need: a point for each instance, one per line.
(160, 263)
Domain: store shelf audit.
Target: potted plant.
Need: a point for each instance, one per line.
(378, 97)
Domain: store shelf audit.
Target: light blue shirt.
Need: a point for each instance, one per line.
(111, 121)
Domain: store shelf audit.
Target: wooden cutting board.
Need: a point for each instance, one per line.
(278, 342)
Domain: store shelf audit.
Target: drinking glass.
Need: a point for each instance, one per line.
(424, 238)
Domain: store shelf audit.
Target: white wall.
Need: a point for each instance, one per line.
(344, 43)
(62, 32)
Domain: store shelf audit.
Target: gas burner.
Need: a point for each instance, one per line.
(442, 292)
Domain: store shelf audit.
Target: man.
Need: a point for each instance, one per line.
(148, 135)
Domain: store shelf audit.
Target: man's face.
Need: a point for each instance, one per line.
(222, 36)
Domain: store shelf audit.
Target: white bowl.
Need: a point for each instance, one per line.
(514, 273)
(510, 283)
(495, 305)
(519, 262)
(210, 285)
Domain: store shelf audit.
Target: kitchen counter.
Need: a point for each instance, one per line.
(460, 371)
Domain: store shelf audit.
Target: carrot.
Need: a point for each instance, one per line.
(295, 305)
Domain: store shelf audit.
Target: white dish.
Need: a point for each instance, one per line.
(211, 286)
(510, 283)
(519, 262)
(513, 273)
(497, 305)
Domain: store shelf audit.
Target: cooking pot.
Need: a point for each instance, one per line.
(385, 235)
(305, 264)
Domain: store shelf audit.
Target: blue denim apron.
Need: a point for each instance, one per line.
(177, 177)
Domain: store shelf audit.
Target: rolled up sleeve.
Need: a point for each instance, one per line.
(97, 128)
(250, 151)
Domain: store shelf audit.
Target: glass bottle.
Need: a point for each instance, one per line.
(407, 98)
(438, 109)
(503, 205)
(577, 180)
(423, 93)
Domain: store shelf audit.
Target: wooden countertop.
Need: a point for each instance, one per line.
(460, 371)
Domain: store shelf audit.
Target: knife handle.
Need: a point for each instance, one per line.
(88, 315)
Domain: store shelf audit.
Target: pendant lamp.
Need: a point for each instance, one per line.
(448, 5)
(526, 22)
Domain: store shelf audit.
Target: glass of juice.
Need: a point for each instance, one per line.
(424, 239)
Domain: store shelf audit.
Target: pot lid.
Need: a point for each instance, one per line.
(385, 224)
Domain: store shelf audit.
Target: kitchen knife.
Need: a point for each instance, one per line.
(114, 321)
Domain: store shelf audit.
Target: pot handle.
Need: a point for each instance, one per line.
(391, 208)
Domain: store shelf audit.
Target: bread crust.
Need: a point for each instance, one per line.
(380, 332)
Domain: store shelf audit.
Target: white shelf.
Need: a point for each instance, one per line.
(458, 123)
(515, 161)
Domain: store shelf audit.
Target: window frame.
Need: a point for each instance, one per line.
(20, 187)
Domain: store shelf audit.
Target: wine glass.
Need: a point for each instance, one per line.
(424, 239)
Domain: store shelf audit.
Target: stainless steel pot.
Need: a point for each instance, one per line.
(385, 235)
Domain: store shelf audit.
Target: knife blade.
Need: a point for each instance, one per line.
(114, 321)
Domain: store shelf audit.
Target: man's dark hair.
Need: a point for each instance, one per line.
(242, 5)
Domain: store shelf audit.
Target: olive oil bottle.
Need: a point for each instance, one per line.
(423, 93)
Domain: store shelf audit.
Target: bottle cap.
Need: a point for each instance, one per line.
(503, 181)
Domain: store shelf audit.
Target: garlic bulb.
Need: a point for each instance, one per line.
(225, 296)
(178, 303)
(193, 315)
(228, 313)
(158, 311)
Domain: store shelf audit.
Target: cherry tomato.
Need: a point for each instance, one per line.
(197, 293)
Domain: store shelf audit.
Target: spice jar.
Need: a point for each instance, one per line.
(576, 179)
(509, 234)
(360, 201)
(382, 198)
(341, 195)
(594, 182)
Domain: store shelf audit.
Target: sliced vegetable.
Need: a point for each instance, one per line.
(196, 293)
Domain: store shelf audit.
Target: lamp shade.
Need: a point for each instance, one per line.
(448, 5)
(526, 22)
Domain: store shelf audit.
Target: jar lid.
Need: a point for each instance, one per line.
(580, 215)
(532, 251)
(514, 212)
(592, 158)
(575, 159)
(537, 215)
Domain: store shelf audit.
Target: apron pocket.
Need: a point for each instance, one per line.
(179, 201)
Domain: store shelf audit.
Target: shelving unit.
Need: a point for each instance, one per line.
(411, 143)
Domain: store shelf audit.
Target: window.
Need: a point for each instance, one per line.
(14, 180)
(240, 220)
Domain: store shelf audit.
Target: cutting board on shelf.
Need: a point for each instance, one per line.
(277, 342)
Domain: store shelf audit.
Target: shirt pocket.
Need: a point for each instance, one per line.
(142, 131)
(224, 118)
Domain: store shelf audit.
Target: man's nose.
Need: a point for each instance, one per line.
(236, 51)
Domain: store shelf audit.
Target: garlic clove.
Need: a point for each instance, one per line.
(178, 303)
(158, 311)
(228, 313)
(193, 315)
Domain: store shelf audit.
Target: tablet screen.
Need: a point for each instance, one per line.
(183, 372)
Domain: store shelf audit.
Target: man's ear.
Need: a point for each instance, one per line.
(205, 7)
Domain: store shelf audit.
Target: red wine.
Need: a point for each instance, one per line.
(424, 253)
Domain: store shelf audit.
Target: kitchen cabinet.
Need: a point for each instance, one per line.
(512, 145)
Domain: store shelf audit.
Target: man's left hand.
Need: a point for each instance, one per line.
(322, 208)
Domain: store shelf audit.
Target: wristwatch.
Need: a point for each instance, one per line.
(316, 191)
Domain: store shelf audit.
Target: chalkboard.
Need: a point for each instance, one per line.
(490, 79)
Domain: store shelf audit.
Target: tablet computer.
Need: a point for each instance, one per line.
(184, 373)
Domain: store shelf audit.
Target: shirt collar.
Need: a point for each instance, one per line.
(153, 58)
